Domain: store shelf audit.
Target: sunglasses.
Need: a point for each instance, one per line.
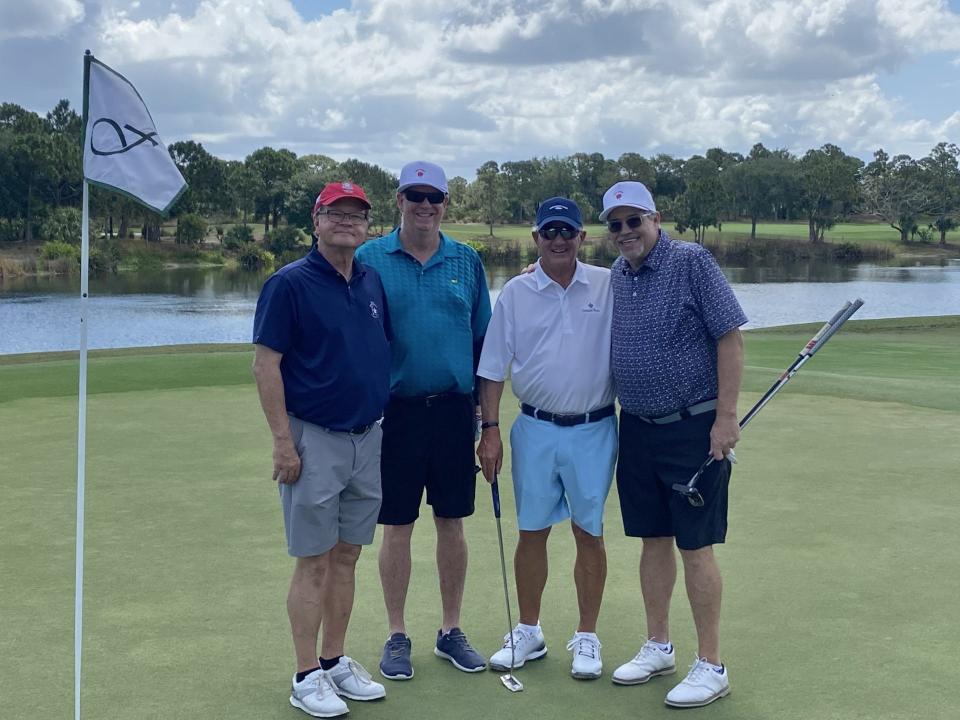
(549, 233)
(417, 196)
(615, 226)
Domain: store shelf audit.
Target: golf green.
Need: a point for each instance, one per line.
(840, 568)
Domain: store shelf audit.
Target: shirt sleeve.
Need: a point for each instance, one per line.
(498, 345)
(719, 307)
(275, 320)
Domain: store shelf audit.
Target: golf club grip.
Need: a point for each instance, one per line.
(856, 305)
(812, 342)
(495, 491)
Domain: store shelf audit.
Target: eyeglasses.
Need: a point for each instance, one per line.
(417, 196)
(615, 226)
(340, 218)
(550, 233)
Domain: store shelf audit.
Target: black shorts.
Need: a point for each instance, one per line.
(427, 444)
(654, 457)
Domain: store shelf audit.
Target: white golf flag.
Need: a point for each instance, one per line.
(121, 148)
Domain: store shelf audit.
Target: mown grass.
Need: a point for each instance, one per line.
(840, 566)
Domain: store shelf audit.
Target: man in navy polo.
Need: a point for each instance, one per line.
(322, 366)
(677, 362)
(440, 307)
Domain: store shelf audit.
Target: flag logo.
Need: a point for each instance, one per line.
(107, 139)
(618, 195)
(374, 311)
(419, 173)
(347, 187)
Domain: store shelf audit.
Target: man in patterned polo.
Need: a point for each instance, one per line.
(677, 362)
(439, 310)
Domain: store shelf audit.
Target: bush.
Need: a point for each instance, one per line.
(237, 237)
(847, 251)
(105, 257)
(281, 240)
(63, 225)
(254, 257)
(191, 229)
(11, 230)
(55, 250)
(291, 256)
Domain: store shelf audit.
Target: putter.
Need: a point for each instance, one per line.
(509, 681)
(689, 489)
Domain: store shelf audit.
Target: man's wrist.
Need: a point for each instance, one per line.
(489, 424)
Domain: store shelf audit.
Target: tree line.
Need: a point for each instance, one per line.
(40, 161)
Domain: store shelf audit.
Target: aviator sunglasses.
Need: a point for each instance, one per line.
(549, 233)
(417, 196)
(615, 226)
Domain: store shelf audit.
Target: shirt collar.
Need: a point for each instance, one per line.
(319, 262)
(544, 280)
(447, 248)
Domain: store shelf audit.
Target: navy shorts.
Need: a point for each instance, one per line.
(428, 444)
(654, 457)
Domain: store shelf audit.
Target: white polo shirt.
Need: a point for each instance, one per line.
(555, 342)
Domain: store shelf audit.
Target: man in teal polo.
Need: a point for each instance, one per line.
(436, 289)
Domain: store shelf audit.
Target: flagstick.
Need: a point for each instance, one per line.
(81, 450)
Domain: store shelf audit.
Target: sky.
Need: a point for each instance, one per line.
(460, 82)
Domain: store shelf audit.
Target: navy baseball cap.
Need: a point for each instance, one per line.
(559, 209)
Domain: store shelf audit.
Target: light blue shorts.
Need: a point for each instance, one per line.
(562, 472)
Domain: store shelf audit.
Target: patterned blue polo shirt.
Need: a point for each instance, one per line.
(667, 317)
(438, 313)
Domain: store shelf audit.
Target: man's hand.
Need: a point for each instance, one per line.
(529, 269)
(286, 461)
(490, 453)
(724, 435)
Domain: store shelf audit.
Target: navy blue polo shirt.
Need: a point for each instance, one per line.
(334, 337)
(667, 317)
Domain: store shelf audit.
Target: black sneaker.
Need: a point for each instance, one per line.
(395, 662)
(455, 647)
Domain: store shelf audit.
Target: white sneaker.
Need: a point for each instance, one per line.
(587, 664)
(526, 646)
(649, 662)
(701, 686)
(351, 680)
(316, 696)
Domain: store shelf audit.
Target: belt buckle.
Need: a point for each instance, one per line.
(567, 420)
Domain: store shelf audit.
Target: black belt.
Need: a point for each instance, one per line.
(681, 414)
(567, 420)
(359, 429)
(428, 400)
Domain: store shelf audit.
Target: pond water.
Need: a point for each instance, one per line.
(215, 305)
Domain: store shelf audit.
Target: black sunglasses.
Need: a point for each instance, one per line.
(633, 223)
(417, 196)
(549, 233)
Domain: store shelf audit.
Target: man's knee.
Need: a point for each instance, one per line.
(585, 539)
(345, 555)
(397, 534)
(699, 559)
(449, 528)
(312, 569)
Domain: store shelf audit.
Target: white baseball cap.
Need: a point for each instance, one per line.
(419, 172)
(628, 193)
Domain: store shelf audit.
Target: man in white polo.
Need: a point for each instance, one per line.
(551, 332)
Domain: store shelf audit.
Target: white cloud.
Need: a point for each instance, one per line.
(464, 81)
(38, 19)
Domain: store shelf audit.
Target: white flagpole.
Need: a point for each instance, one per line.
(81, 451)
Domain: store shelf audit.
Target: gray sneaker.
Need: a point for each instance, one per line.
(351, 680)
(455, 647)
(395, 662)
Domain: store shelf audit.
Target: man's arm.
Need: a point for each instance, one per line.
(726, 428)
(266, 370)
(490, 449)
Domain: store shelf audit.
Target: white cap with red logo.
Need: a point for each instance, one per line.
(422, 173)
(627, 193)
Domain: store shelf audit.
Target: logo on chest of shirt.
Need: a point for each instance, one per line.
(590, 307)
(374, 311)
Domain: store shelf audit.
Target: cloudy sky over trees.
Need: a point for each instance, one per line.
(464, 81)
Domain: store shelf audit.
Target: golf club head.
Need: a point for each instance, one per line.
(511, 683)
(691, 493)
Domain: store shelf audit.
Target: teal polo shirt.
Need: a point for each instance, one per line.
(438, 314)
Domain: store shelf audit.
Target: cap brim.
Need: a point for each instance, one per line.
(605, 213)
(426, 184)
(344, 196)
(559, 218)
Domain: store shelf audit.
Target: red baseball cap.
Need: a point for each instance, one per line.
(337, 191)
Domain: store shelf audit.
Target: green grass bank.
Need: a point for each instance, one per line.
(840, 566)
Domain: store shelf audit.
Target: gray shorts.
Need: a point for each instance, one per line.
(337, 498)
